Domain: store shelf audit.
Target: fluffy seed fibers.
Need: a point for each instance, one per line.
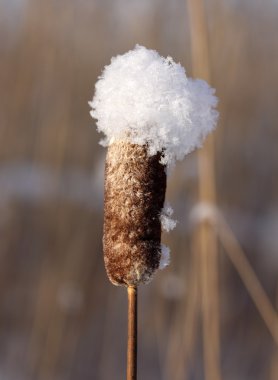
(135, 185)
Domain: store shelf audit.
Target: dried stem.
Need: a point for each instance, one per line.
(206, 239)
(132, 334)
(249, 278)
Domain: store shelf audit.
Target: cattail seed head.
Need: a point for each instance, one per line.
(151, 114)
(135, 185)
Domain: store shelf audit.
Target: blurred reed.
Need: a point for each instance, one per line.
(205, 240)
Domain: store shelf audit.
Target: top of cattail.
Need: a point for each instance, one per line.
(145, 99)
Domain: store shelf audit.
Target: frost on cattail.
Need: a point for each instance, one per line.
(167, 223)
(151, 115)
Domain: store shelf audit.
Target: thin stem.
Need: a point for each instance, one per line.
(249, 277)
(132, 334)
(207, 246)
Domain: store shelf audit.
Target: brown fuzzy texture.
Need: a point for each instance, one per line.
(135, 186)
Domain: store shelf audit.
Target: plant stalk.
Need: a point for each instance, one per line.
(207, 243)
(132, 334)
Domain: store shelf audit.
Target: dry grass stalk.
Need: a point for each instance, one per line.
(206, 241)
(249, 278)
(132, 334)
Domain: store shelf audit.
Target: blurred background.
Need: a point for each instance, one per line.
(60, 318)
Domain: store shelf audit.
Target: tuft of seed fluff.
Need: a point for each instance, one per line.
(135, 185)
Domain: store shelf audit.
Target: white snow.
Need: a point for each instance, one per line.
(167, 223)
(165, 257)
(144, 98)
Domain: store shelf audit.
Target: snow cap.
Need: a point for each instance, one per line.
(145, 99)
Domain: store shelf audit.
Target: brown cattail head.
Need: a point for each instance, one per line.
(135, 185)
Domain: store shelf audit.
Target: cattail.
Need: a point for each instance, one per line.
(151, 115)
(135, 185)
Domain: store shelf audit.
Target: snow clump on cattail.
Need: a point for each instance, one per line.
(151, 115)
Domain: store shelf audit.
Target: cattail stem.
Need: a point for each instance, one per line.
(132, 334)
